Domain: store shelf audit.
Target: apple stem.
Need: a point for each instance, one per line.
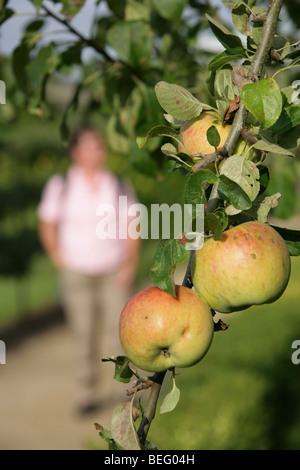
(165, 352)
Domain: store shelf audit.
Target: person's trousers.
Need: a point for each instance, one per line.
(92, 306)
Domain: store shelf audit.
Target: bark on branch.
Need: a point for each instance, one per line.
(256, 68)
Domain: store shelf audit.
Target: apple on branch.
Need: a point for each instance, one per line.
(194, 137)
(159, 331)
(249, 265)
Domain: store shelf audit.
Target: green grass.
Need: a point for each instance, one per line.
(245, 392)
(36, 290)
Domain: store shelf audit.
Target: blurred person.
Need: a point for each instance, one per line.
(96, 275)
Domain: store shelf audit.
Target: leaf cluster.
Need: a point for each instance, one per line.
(238, 185)
(133, 43)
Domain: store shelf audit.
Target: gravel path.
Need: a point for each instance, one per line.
(36, 397)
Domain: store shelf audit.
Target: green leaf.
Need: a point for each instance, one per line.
(171, 399)
(20, 59)
(70, 8)
(196, 184)
(123, 372)
(175, 122)
(258, 26)
(273, 148)
(260, 208)
(178, 101)
(37, 4)
(136, 10)
(72, 55)
(289, 139)
(159, 131)
(231, 4)
(72, 107)
(233, 193)
(107, 437)
(117, 7)
(267, 204)
(34, 26)
(240, 19)
(245, 174)
(38, 71)
(263, 99)
(132, 40)
(293, 54)
(264, 178)
(117, 141)
(224, 87)
(168, 254)
(291, 238)
(222, 216)
(232, 43)
(223, 58)
(45, 63)
(216, 223)
(289, 118)
(213, 136)
(222, 107)
(171, 152)
(5, 14)
(122, 427)
(170, 9)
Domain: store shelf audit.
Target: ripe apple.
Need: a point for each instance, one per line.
(159, 331)
(194, 137)
(248, 265)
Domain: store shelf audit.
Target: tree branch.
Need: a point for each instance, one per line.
(91, 43)
(157, 380)
(87, 41)
(256, 68)
(206, 159)
(257, 65)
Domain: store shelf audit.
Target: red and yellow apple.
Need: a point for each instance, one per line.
(159, 331)
(194, 136)
(248, 265)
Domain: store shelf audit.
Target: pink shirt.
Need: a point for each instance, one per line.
(72, 203)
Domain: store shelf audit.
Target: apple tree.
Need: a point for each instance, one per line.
(224, 151)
